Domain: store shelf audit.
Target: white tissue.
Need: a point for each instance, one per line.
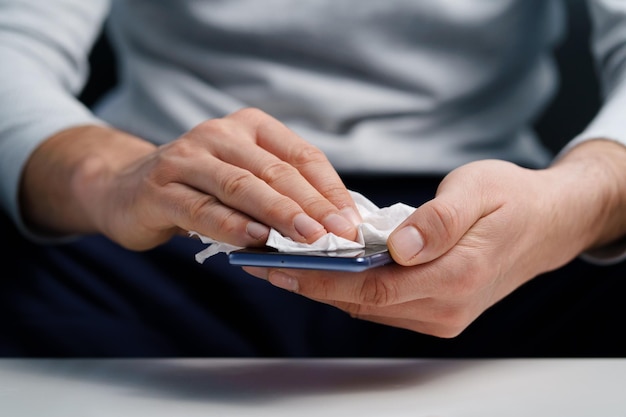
(378, 223)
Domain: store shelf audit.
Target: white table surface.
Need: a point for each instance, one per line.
(312, 387)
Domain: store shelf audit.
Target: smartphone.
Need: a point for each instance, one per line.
(352, 260)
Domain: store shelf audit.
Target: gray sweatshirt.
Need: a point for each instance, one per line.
(419, 86)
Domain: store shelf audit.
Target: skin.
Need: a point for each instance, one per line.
(491, 227)
(227, 178)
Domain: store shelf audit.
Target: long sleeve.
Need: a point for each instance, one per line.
(609, 50)
(44, 48)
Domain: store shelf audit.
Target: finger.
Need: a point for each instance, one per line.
(286, 180)
(436, 226)
(243, 191)
(382, 286)
(290, 280)
(205, 214)
(308, 160)
(456, 276)
(442, 317)
(430, 315)
(257, 271)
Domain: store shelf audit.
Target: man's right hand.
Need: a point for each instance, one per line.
(230, 179)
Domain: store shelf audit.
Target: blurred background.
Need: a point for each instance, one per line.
(569, 113)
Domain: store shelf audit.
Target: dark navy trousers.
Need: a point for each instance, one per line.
(92, 298)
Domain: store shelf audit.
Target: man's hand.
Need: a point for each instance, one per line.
(491, 227)
(230, 179)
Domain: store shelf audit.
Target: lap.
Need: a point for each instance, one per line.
(93, 298)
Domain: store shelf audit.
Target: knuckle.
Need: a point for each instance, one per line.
(213, 128)
(308, 154)
(228, 224)
(277, 171)
(210, 125)
(197, 207)
(252, 115)
(278, 207)
(237, 184)
(251, 112)
(377, 292)
(317, 205)
(279, 211)
(336, 191)
(326, 288)
(445, 220)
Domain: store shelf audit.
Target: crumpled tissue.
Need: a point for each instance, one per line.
(377, 225)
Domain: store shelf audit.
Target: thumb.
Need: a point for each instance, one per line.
(435, 227)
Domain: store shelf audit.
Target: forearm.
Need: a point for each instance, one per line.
(65, 178)
(43, 50)
(594, 185)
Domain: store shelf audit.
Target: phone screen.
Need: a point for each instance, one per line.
(343, 260)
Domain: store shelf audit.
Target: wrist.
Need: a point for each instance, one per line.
(593, 175)
(95, 181)
(64, 180)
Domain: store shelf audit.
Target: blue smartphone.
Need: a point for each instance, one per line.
(351, 260)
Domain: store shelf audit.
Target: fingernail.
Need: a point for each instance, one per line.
(407, 242)
(306, 226)
(337, 224)
(352, 216)
(257, 230)
(284, 281)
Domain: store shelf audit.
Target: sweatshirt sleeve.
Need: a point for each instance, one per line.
(608, 18)
(44, 50)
